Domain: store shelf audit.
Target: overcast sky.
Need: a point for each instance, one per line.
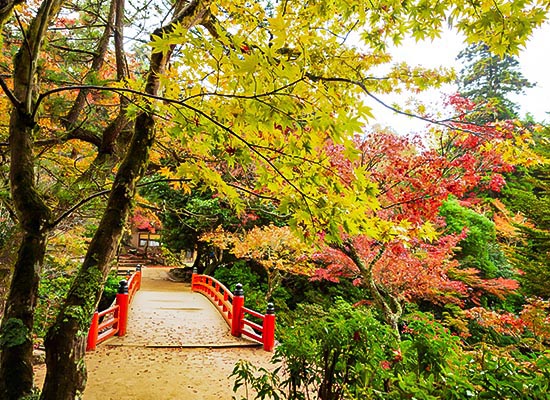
(534, 63)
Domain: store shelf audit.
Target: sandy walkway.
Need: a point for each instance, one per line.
(157, 360)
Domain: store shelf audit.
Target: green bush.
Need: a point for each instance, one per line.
(347, 353)
(52, 290)
(477, 250)
(343, 352)
(109, 291)
(254, 286)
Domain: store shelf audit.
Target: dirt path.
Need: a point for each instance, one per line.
(159, 358)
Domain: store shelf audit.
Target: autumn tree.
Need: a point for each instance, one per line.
(405, 256)
(278, 250)
(248, 83)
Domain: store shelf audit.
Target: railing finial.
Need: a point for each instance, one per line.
(123, 287)
(239, 290)
(270, 309)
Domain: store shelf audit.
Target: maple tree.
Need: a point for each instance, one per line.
(250, 84)
(405, 256)
(277, 249)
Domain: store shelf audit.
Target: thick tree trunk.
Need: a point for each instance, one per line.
(16, 375)
(65, 341)
(16, 378)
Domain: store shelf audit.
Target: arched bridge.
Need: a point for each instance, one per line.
(151, 311)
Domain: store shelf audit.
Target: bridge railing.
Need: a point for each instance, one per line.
(231, 306)
(115, 318)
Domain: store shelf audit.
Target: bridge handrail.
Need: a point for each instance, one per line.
(134, 284)
(231, 307)
(117, 313)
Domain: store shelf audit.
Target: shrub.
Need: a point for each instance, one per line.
(347, 353)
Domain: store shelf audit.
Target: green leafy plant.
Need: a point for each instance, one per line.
(343, 352)
(51, 292)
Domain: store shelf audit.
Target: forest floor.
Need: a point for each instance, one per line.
(177, 347)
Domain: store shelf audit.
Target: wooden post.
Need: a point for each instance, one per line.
(193, 278)
(138, 276)
(268, 335)
(92, 333)
(237, 314)
(122, 303)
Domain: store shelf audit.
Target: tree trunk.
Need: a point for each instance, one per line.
(65, 341)
(16, 375)
(388, 304)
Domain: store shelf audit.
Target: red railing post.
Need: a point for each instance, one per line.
(268, 335)
(138, 276)
(237, 314)
(122, 302)
(92, 333)
(193, 278)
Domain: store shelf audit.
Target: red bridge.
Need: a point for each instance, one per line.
(168, 314)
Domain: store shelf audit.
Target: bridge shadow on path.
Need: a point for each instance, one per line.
(169, 314)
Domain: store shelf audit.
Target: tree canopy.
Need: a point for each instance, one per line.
(489, 79)
(245, 98)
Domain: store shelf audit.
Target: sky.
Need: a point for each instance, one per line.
(534, 64)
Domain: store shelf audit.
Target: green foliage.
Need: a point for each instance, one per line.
(109, 291)
(528, 193)
(13, 333)
(478, 249)
(52, 290)
(323, 293)
(254, 285)
(187, 216)
(510, 376)
(424, 355)
(35, 395)
(346, 353)
(6, 225)
(489, 79)
(174, 258)
(334, 353)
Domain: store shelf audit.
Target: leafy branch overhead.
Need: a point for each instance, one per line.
(242, 99)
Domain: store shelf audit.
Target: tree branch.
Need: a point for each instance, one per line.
(75, 207)
(11, 96)
(445, 122)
